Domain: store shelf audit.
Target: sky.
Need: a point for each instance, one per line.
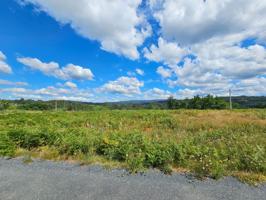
(116, 50)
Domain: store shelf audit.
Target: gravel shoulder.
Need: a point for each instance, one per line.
(60, 180)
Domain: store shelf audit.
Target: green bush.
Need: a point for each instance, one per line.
(207, 163)
(138, 151)
(30, 140)
(135, 161)
(7, 147)
(73, 144)
(252, 158)
(118, 146)
(159, 153)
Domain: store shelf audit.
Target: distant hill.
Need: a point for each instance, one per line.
(248, 101)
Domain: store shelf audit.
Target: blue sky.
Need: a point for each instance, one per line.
(120, 50)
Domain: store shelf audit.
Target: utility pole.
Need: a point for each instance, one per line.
(230, 99)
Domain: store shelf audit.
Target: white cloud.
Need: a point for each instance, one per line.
(77, 72)
(117, 25)
(140, 72)
(14, 90)
(249, 87)
(192, 21)
(49, 93)
(230, 59)
(71, 85)
(4, 67)
(156, 93)
(164, 72)
(221, 60)
(6, 82)
(188, 93)
(166, 52)
(123, 85)
(2, 56)
(53, 69)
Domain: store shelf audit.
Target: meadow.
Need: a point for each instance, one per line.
(206, 143)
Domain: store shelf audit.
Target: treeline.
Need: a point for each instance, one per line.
(207, 102)
(247, 101)
(62, 105)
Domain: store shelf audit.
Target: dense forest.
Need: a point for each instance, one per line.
(207, 102)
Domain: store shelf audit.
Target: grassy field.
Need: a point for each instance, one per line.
(206, 143)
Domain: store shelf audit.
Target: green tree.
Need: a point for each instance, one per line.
(171, 103)
(4, 105)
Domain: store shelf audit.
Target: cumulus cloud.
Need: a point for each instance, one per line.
(249, 87)
(192, 21)
(14, 90)
(4, 67)
(35, 64)
(48, 93)
(220, 62)
(6, 82)
(216, 35)
(156, 93)
(123, 85)
(168, 53)
(188, 93)
(226, 56)
(51, 91)
(53, 69)
(77, 72)
(117, 25)
(71, 85)
(140, 72)
(164, 72)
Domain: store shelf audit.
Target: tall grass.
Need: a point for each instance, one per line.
(208, 143)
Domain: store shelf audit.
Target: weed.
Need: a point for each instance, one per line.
(207, 143)
(7, 147)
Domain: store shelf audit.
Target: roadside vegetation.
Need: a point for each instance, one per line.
(207, 143)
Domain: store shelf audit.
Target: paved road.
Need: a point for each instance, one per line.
(45, 180)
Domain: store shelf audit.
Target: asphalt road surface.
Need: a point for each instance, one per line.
(45, 180)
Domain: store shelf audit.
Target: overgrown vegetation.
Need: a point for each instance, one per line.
(207, 142)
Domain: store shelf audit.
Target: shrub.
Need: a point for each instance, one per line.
(30, 140)
(207, 163)
(118, 146)
(138, 151)
(252, 158)
(135, 161)
(73, 144)
(159, 153)
(7, 147)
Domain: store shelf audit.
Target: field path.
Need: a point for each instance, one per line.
(45, 180)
